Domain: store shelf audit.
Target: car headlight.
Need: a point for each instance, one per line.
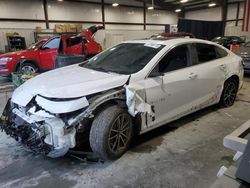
(5, 59)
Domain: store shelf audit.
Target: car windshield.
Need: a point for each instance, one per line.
(35, 45)
(125, 58)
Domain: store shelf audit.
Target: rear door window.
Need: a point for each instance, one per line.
(220, 52)
(202, 53)
(205, 53)
(73, 41)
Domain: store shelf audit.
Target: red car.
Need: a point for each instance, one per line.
(41, 55)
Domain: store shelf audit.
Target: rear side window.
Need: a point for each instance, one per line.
(220, 52)
(205, 52)
(73, 41)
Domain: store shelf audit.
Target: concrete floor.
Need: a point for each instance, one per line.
(5, 81)
(186, 153)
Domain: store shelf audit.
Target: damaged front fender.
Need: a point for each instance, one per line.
(136, 100)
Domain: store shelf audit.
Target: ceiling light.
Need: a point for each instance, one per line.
(178, 10)
(151, 7)
(115, 4)
(184, 1)
(211, 4)
(60, 0)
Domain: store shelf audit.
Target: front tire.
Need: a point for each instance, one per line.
(28, 67)
(111, 133)
(229, 93)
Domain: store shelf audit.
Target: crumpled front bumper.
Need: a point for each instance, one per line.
(41, 135)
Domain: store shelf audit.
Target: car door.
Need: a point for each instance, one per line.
(211, 69)
(48, 53)
(172, 94)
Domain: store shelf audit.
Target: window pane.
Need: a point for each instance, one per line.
(54, 43)
(174, 60)
(205, 52)
(220, 52)
(73, 41)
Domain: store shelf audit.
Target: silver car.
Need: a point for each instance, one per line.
(244, 52)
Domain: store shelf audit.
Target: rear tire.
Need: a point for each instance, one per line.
(229, 93)
(111, 133)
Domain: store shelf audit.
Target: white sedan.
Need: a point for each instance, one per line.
(126, 90)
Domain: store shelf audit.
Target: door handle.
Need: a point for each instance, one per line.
(193, 75)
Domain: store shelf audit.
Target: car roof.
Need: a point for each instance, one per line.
(170, 41)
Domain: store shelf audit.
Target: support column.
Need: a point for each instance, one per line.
(45, 7)
(224, 8)
(144, 15)
(103, 14)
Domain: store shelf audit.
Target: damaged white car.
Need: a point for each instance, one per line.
(128, 89)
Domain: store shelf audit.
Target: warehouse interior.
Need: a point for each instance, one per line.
(204, 147)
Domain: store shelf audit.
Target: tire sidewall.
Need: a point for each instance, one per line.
(108, 150)
(226, 85)
(27, 64)
(100, 130)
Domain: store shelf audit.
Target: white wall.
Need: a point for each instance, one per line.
(123, 14)
(237, 31)
(161, 17)
(231, 12)
(75, 11)
(231, 29)
(27, 9)
(209, 14)
(241, 10)
(108, 38)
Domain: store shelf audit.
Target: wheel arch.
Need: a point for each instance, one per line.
(26, 60)
(105, 104)
(137, 121)
(234, 77)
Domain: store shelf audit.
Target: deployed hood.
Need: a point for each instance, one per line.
(67, 83)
